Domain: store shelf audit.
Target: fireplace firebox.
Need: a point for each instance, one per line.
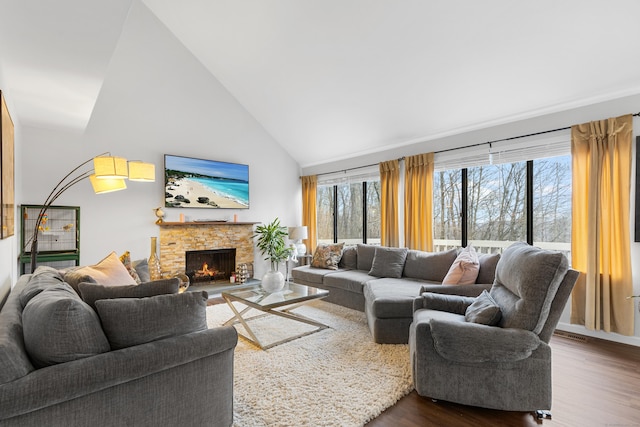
(210, 265)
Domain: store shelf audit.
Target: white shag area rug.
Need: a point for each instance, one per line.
(334, 377)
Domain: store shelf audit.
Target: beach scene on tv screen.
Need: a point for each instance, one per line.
(200, 183)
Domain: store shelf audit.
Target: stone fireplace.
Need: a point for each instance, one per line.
(178, 238)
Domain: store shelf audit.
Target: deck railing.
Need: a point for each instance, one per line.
(481, 246)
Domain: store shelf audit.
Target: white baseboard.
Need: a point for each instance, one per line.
(581, 330)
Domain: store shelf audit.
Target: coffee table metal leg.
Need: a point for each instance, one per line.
(239, 318)
(298, 317)
(286, 313)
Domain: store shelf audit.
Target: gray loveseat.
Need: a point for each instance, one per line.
(173, 378)
(386, 293)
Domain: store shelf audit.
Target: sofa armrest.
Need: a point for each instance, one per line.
(442, 302)
(465, 290)
(475, 343)
(58, 383)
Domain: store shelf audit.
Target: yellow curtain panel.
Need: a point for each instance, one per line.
(600, 236)
(418, 202)
(309, 190)
(389, 187)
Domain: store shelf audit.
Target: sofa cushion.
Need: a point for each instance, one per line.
(109, 272)
(43, 278)
(14, 362)
(59, 327)
(464, 269)
(432, 266)
(133, 321)
(311, 275)
(327, 256)
(365, 256)
(474, 343)
(91, 292)
(487, 272)
(349, 258)
(349, 280)
(391, 298)
(388, 262)
(483, 310)
(457, 304)
(527, 279)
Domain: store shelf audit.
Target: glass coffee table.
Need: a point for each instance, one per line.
(277, 303)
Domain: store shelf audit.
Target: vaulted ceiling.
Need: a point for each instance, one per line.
(332, 79)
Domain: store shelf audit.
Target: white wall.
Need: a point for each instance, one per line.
(598, 111)
(9, 246)
(157, 99)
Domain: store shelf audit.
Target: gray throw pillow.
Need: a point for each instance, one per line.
(488, 263)
(91, 292)
(349, 258)
(132, 321)
(431, 266)
(483, 310)
(364, 256)
(388, 262)
(59, 327)
(142, 268)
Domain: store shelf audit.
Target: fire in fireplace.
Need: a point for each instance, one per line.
(211, 265)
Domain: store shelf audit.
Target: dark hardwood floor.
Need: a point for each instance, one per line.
(595, 383)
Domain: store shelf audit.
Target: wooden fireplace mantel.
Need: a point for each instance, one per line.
(182, 224)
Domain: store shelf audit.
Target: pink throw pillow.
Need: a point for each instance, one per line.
(465, 269)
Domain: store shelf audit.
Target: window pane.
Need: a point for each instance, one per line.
(497, 205)
(552, 203)
(349, 211)
(373, 212)
(447, 204)
(324, 214)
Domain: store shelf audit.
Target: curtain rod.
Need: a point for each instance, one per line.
(354, 168)
(466, 146)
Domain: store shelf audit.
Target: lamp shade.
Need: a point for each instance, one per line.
(298, 233)
(101, 186)
(141, 171)
(109, 167)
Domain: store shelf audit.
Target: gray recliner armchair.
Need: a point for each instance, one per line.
(493, 351)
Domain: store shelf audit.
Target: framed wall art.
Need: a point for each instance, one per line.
(637, 210)
(7, 187)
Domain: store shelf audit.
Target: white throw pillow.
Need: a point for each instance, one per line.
(465, 269)
(108, 272)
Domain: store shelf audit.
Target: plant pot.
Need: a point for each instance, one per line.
(272, 281)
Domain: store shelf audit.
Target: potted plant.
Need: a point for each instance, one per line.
(271, 243)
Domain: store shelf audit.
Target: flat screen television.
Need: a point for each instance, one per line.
(205, 184)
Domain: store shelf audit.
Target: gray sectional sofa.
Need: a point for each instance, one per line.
(386, 288)
(62, 365)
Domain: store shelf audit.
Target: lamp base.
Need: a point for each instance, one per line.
(301, 248)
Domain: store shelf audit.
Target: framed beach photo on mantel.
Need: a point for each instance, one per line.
(205, 184)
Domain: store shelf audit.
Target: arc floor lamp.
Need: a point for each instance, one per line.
(108, 174)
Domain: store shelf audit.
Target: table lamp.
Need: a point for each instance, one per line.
(298, 234)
